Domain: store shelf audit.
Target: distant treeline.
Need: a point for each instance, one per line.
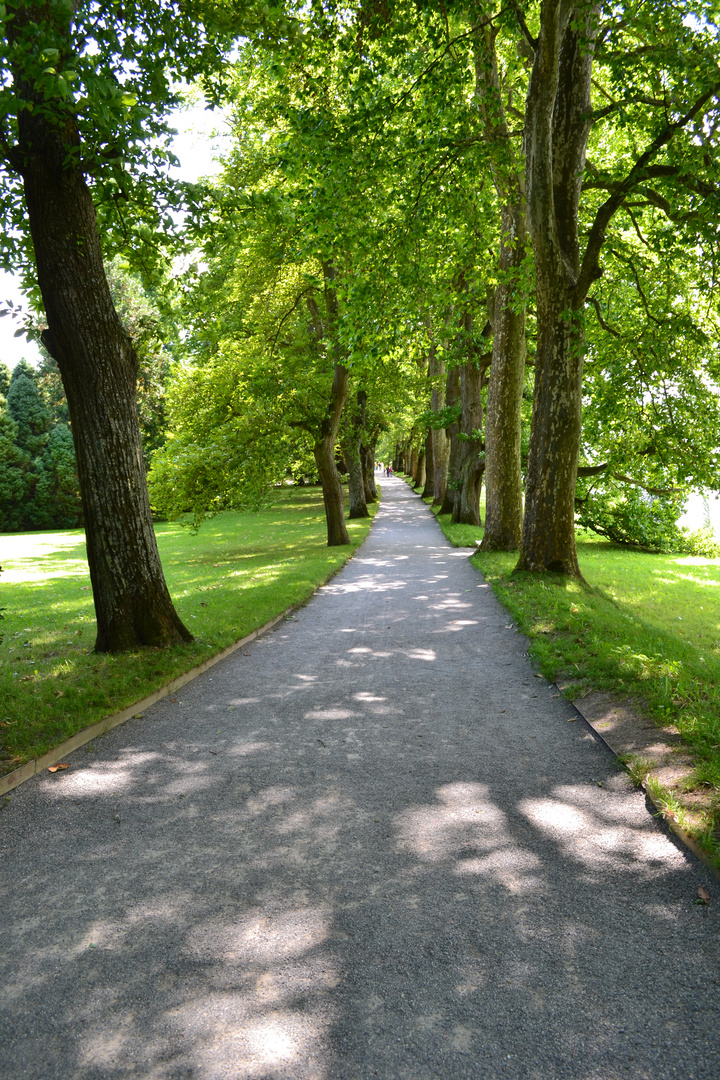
(38, 476)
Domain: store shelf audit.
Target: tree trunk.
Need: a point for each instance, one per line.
(452, 484)
(356, 483)
(324, 448)
(470, 463)
(367, 456)
(503, 470)
(324, 451)
(557, 125)
(99, 367)
(503, 424)
(412, 460)
(353, 426)
(419, 480)
(429, 488)
(440, 441)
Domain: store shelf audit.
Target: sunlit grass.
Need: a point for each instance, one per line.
(235, 575)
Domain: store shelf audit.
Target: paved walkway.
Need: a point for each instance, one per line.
(369, 845)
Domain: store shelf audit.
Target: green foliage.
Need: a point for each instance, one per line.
(28, 411)
(628, 516)
(112, 72)
(148, 317)
(56, 503)
(13, 466)
(38, 476)
(4, 379)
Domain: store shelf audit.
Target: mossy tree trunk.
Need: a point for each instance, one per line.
(452, 485)
(503, 422)
(557, 125)
(98, 366)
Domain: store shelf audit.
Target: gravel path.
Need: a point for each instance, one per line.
(371, 844)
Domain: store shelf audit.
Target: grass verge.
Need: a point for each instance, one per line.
(646, 629)
(236, 574)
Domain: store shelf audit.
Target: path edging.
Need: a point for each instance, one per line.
(672, 825)
(31, 768)
(81, 738)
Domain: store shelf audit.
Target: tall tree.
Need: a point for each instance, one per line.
(667, 67)
(503, 423)
(80, 83)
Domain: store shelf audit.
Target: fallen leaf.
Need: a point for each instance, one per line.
(174, 700)
(26, 678)
(59, 693)
(138, 716)
(60, 765)
(572, 719)
(703, 894)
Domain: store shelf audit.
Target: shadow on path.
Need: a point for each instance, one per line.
(369, 845)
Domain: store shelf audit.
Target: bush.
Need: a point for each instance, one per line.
(629, 516)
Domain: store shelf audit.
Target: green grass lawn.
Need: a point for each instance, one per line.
(647, 627)
(234, 575)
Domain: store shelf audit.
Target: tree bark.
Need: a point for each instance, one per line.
(470, 463)
(356, 485)
(452, 484)
(429, 487)
(440, 441)
(367, 455)
(557, 125)
(412, 459)
(98, 366)
(324, 448)
(353, 425)
(419, 479)
(503, 423)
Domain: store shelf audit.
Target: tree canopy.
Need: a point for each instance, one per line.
(432, 215)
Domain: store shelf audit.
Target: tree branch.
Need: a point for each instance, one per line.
(590, 269)
(532, 42)
(609, 329)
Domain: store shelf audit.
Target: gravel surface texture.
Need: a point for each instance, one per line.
(371, 844)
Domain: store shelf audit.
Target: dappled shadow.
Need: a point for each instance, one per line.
(371, 845)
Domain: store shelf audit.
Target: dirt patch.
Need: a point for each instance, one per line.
(658, 758)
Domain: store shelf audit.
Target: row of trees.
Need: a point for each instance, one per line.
(393, 150)
(434, 213)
